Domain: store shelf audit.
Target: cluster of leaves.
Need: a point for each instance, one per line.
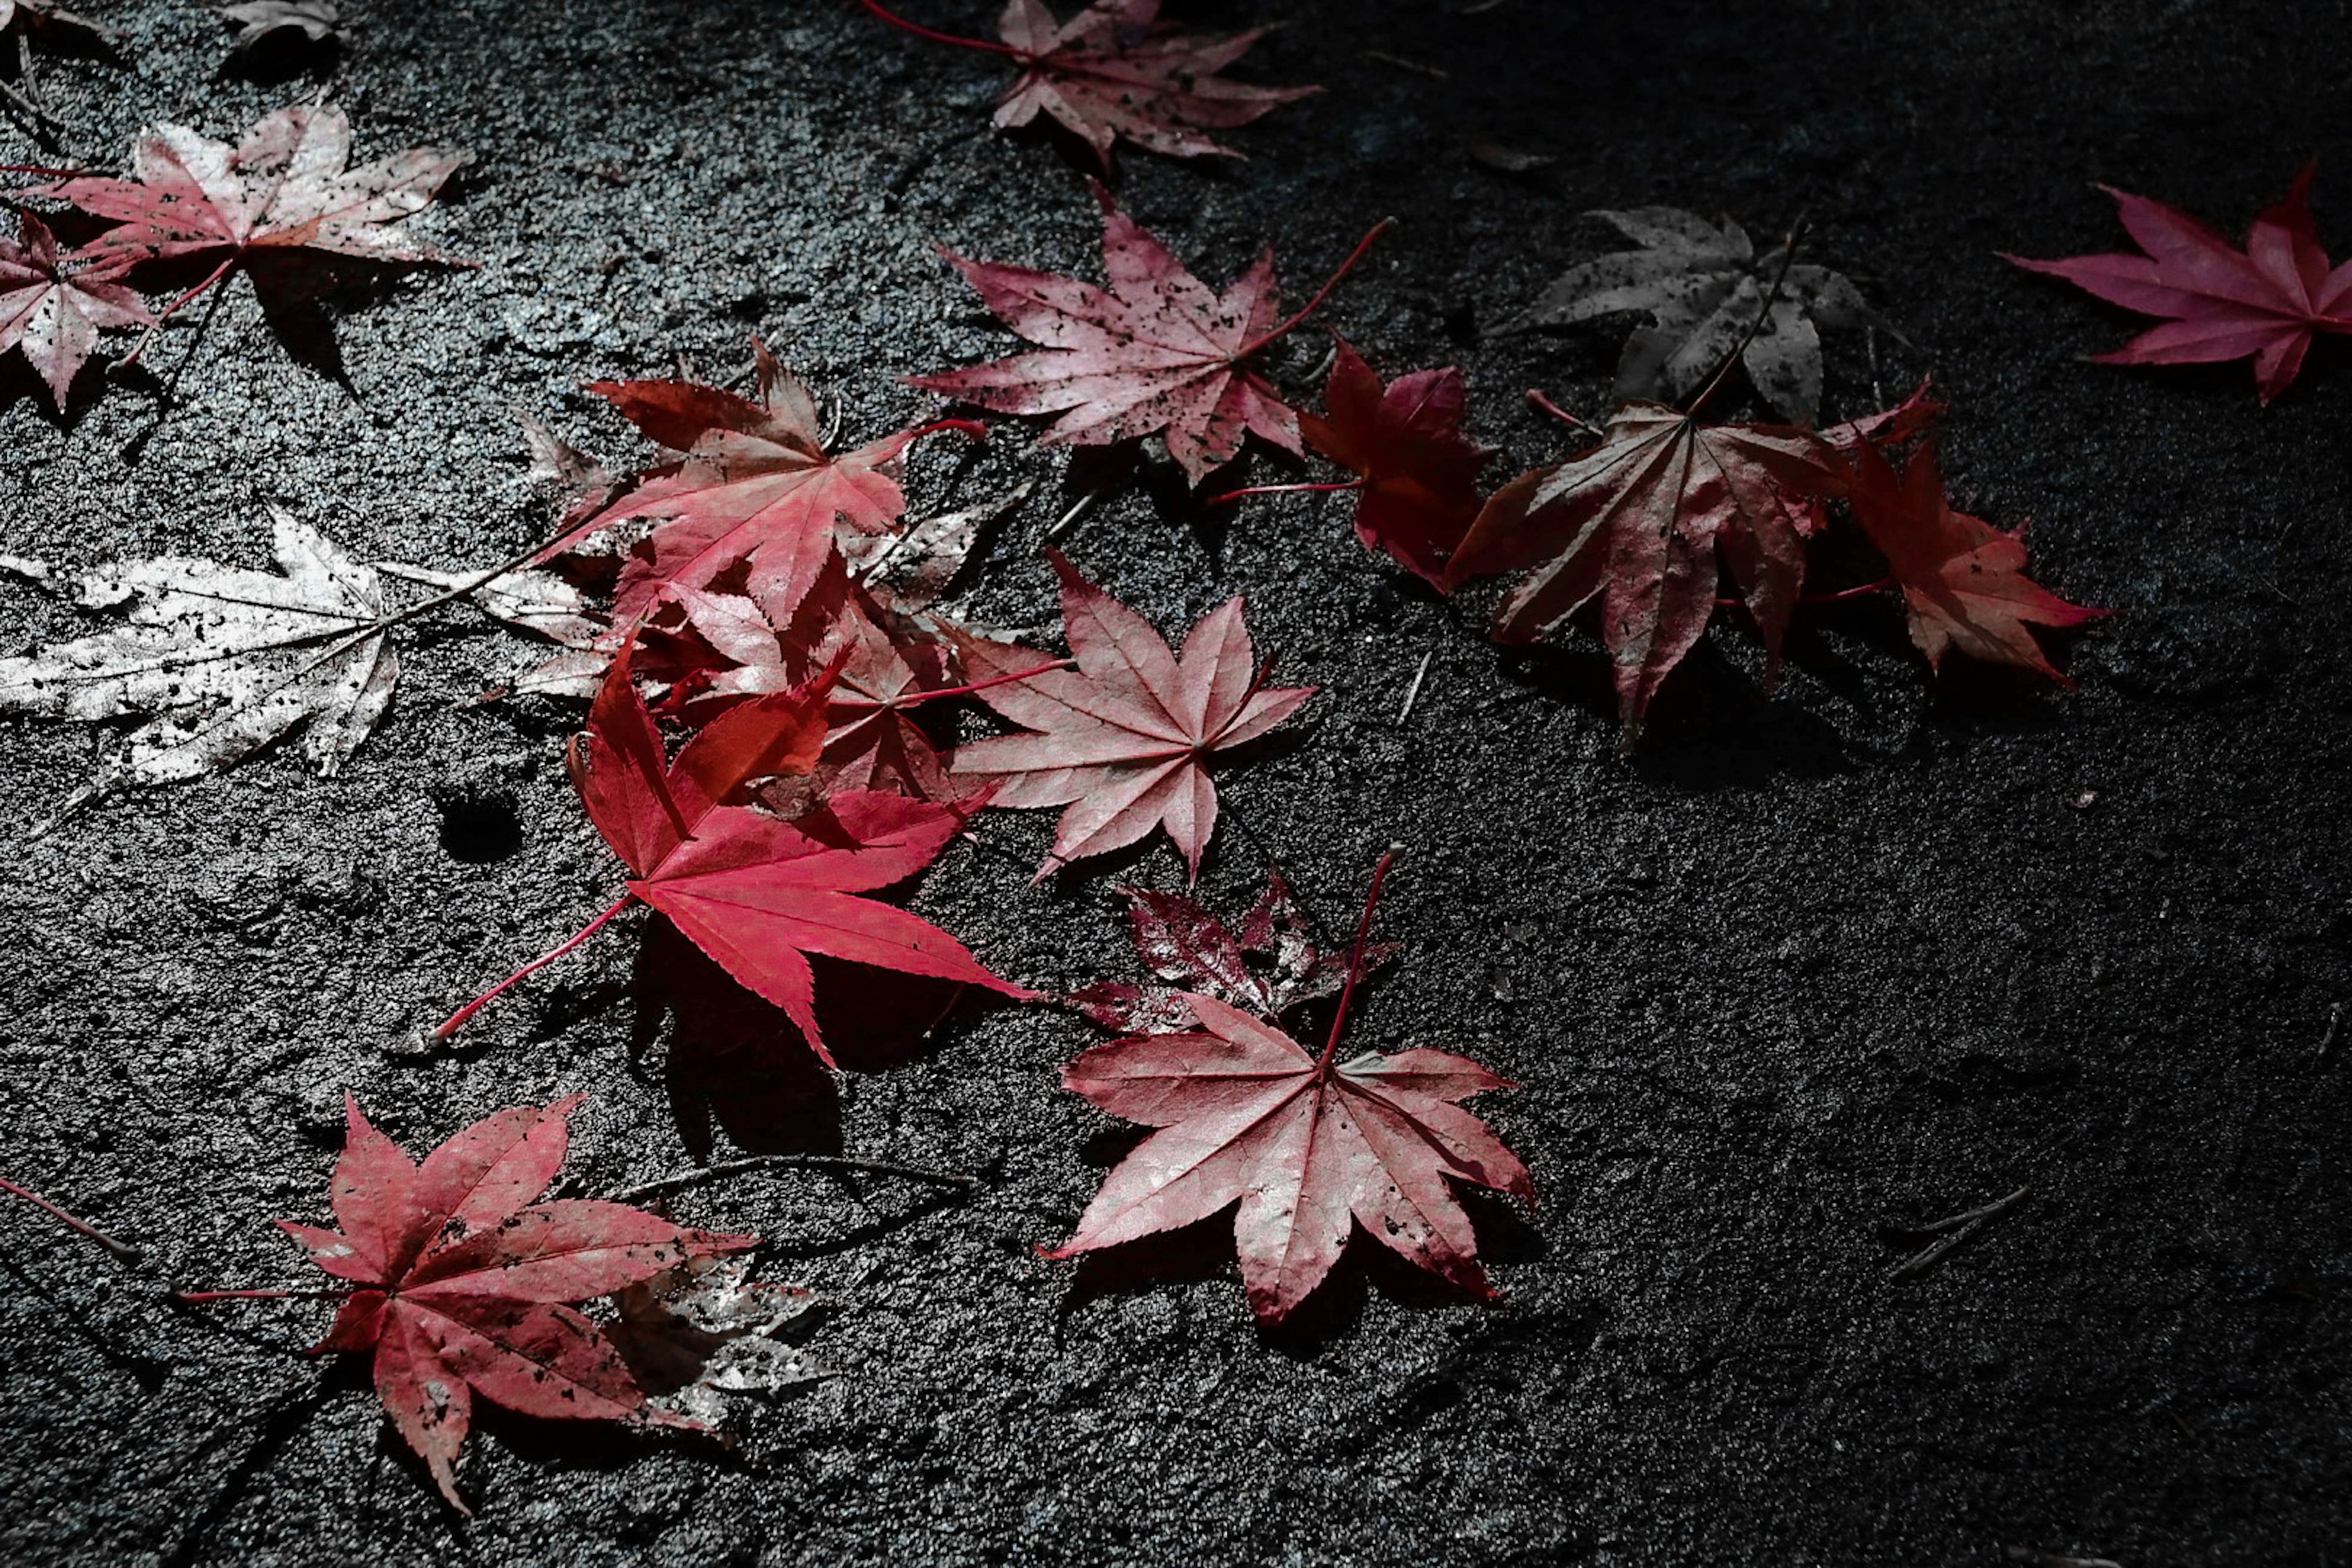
(283, 194)
(760, 627)
(1650, 520)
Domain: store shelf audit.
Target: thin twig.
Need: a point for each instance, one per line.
(1412, 692)
(1954, 1231)
(790, 1162)
(2335, 1023)
(1433, 72)
(2054, 1559)
(1068, 520)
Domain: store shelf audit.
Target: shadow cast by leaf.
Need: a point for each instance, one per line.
(1204, 1251)
(734, 1063)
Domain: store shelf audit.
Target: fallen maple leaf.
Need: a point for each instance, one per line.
(753, 482)
(36, 16)
(1309, 1146)
(703, 1330)
(2223, 303)
(1417, 475)
(1705, 289)
(52, 306)
(1187, 949)
(227, 660)
(460, 1282)
(755, 892)
(873, 738)
(1642, 520)
(1108, 73)
(1124, 741)
(1157, 353)
(284, 188)
(1963, 580)
(259, 21)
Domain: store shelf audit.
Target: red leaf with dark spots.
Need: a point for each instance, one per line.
(52, 306)
(463, 1279)
(1155, 354)
(1307, 1146)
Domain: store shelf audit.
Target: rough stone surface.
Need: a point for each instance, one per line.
(1848, 953)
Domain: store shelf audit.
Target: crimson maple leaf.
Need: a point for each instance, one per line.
(1642, 520)
(1309, 1146)
(1417, 475)
(1188, 949)
(1108, 73)
(53, 306)
(1123, 741)
(888, 665)
(755, 892)
(2222, 303)
(284, 188)
(753, 482)
(1963, 580)
(461, 1279)
(1156, 354)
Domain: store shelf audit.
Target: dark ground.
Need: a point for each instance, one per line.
(1814, 962)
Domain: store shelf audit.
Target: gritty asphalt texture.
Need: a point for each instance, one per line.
(1869, 951)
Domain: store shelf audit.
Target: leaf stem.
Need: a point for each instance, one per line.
(788, 1162)
(977, 685)
(43, 170)
(939, 37)
(198, 1297)
(1862, 591)
(122, 1249)
(1323, 293)
(1232, 496)
(456, 1020)
(971, 428)
(174, 307)
(1545, 406)
(1356, 955)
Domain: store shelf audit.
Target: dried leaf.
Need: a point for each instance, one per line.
(1702, 288)
(221, 660)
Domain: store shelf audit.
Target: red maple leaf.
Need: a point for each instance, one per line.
(284, 188)
(53, 306)
(753, 482)
(1188, 949)
(2222, 303)
(889, 665)
(1307, 1146)
(755, 892)
(1642, 522)
(1108, 73)
(1155, 354)
(460, 1280)
(1123, 741)
(1417, 475)
(1963, 580)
